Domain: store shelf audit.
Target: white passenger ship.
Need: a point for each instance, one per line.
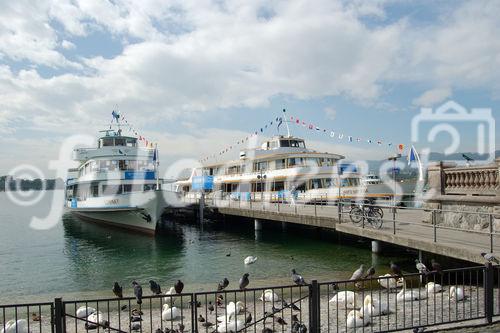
(283, 168)
(116, 183)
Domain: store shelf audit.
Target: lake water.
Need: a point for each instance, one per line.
(80, 259)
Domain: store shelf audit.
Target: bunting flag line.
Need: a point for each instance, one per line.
(119, 115)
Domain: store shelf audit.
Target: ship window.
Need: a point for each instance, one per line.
(232, 170)
(273, 144)
(295, 161)
(284, 143)
(280, 164)
(332, 182)
(316, 184)
(127, 188)
(111, 189)
(119, 142)
(106, 142)
(131, 142)
(150, 187)
(278, 186)
(311, 162)
(258, 186)
(260, 166)
(94, 190)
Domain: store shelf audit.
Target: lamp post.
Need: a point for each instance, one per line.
(394, 159)
(262, 177)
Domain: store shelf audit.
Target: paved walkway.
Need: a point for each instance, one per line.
(408, 228)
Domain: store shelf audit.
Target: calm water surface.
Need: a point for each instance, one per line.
(79, 259)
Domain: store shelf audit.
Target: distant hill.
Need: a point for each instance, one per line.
(29, 184)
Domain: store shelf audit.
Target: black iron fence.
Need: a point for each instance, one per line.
(383, 303)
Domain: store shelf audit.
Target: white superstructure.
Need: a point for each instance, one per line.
(116, 183)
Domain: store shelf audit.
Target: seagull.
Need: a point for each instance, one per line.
(244, 281)
(118, 290)
(436, 267)
(155, 287)
(297, 278)
(421, 267)
(137, 292)
(396, 270)
(490, 257)
(179, 286)
(223, 284)
(370, 273)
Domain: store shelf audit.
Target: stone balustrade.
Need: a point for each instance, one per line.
(471, 181)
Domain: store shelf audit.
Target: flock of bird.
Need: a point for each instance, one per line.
(362, 310)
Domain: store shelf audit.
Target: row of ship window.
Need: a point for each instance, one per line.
(116, 165)
(92, 190)
(275, 165)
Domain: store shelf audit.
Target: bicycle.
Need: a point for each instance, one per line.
(371, 214)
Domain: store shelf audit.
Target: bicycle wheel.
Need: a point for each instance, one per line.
(379, 211)
(375, 219)
(356, 215)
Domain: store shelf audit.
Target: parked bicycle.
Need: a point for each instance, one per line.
(367, 212)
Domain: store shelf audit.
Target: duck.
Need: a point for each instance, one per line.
(170, 313)
(94, 319)
(348, 299)
(269, 296)
(457, 294)
(433, 288)
(232, 309)
(84, 311)
(387, 281)
(409, 295)
(356, 319)
(250, 260)
(373, 307)
(13, 326)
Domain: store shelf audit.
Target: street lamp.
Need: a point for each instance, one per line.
(262, 177)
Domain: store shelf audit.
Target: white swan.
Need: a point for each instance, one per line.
(373, 307)
(231, 309)
(388, 282)
(457, 294)
(346, 299)
(231, 325)
(269, 296)
(433, 288)
(19, 326)
(356, 319)
(171, 291)
(84, 311)
(410, 295)
(250, 260)
(97, 318)
(170, 313)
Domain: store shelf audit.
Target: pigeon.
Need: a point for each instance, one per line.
(210, 307)
(136, 326)
(180, 327)
(201, 319)
(267, 330)
(248, 318)
(422, 269)
(137, 312)
(222, 284)
(490, 258)
(123, 307)
(137, 292)
(396, 270)
(295, 318)
(135, 318)
(370, 273)
(36, 317)
(244, 281)
(155, 287)
(298, 327)
(118, 290)
(297, 278)
(291, 305)
(158, 330)
(207, 324)
(436, 267)
(179, 286)
(358, 274)
(281, 321)
(418, 329)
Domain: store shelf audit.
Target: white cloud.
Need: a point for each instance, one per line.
(330, 112)
(67, 45)
(433, 96)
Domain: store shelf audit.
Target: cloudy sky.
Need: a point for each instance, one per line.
(197, 76)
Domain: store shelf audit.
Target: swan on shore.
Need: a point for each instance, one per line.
(373, 307)
(231, 325)
(170, 313)
(94, 319)
(356, 319)
(232, 309)
(457, 294)
(346, 299)
(269, 296)
(250, 260)
(13, 326)
(387, 281)
(410, 295)
(433, 288)
(84, 311)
